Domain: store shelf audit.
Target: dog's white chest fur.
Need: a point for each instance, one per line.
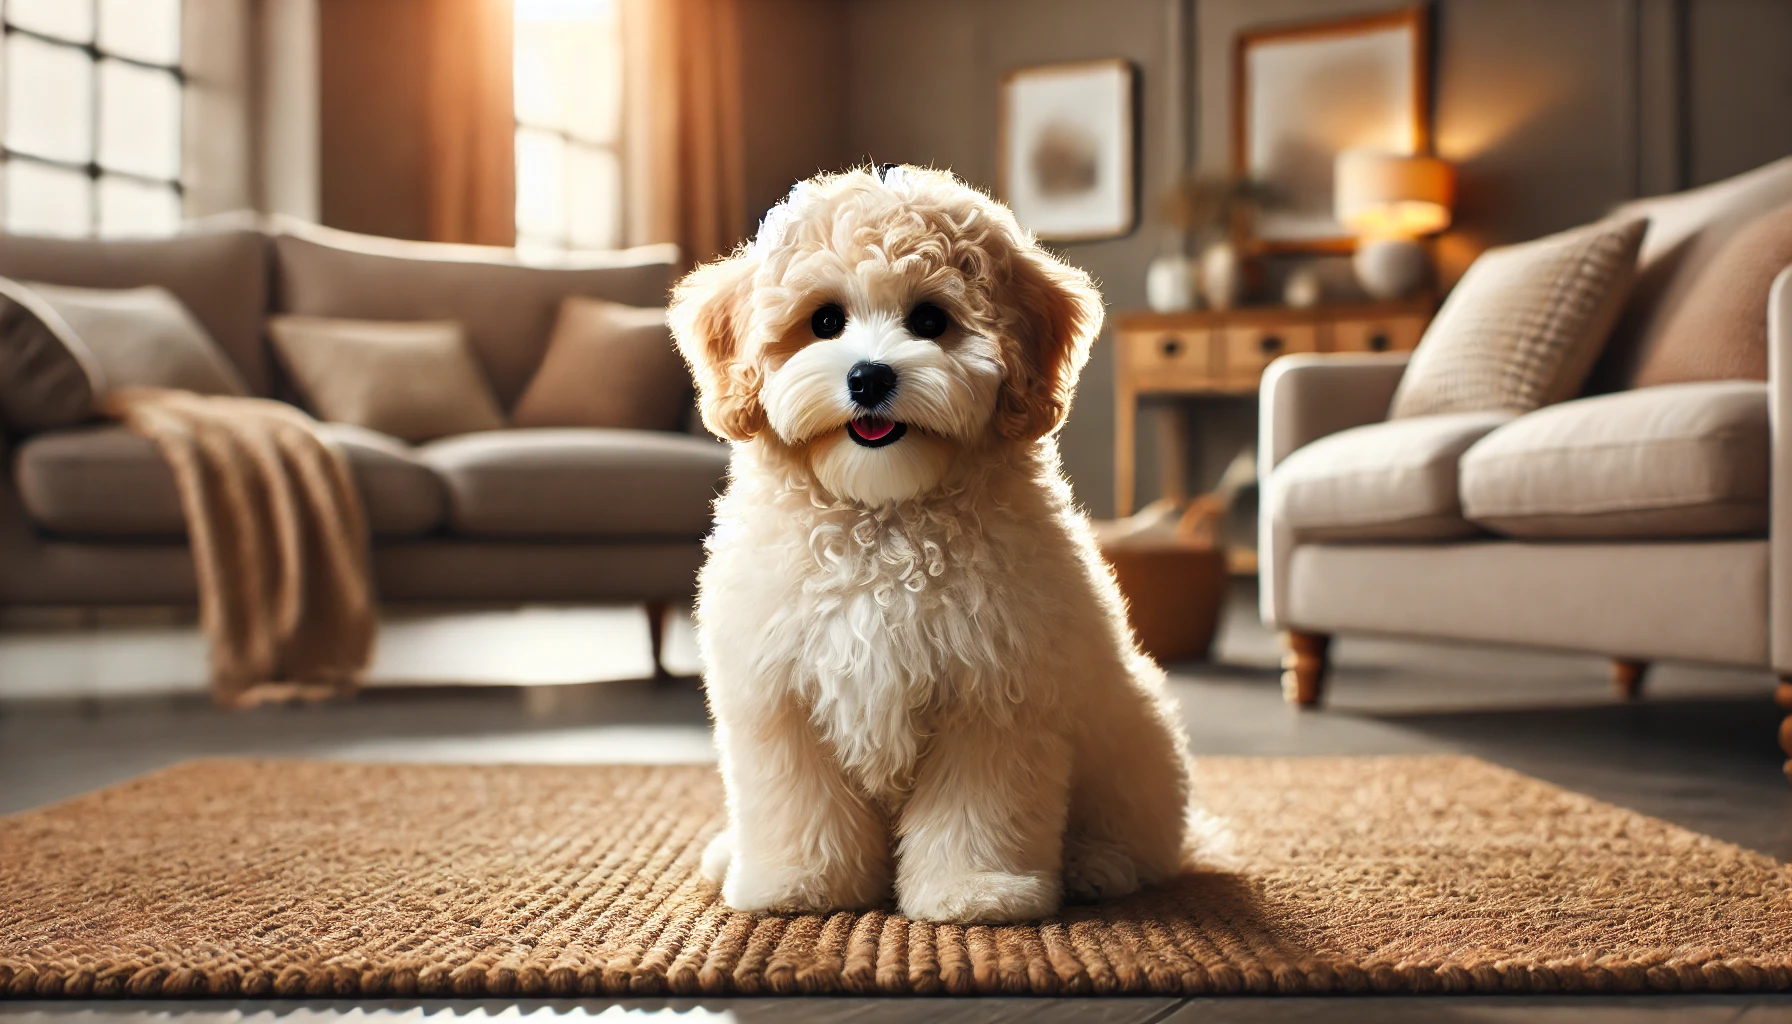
(876, 621)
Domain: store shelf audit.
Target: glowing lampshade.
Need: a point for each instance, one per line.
(1388, 195)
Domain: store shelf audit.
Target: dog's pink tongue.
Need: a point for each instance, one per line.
(873, 429)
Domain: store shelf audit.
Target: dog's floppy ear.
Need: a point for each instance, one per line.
(1058, 312)
(708, 317)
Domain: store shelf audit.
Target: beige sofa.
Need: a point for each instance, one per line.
(90, 516)
(1645, 524)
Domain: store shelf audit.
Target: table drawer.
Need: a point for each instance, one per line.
(1394, 334)
(1181, 356)
(1249, 349)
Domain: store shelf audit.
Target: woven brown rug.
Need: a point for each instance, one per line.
(1394, 874)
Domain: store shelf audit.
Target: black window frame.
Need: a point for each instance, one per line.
(93, 169)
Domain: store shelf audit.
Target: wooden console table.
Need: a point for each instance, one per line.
(1223, 352)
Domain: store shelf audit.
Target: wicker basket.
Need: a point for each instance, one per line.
(1173, 579)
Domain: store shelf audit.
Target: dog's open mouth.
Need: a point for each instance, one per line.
(874, 432)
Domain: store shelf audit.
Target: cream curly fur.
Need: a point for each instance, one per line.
(920, 669)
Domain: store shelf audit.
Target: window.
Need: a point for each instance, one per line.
(568, 81)
(92, 109)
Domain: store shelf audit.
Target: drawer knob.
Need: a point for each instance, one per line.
(1270, 343)
(1170, 345)
(1378, 342)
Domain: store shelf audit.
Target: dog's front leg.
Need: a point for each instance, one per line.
(981, 837)
(800, 838)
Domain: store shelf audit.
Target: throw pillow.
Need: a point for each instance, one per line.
(1718, 330)
(1522, 328)
(62, 349)
(413, 380)
(607, 365)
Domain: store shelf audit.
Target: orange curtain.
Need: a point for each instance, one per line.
(683, 173)
(471, 176)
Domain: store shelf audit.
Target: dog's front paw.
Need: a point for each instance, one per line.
(717, 855)
(1097, 869)
(983, 897)
(796, 890)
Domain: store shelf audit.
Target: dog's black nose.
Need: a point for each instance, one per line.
(870, 383)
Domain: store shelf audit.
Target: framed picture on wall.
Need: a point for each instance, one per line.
(1067, 149)
(1301, 94)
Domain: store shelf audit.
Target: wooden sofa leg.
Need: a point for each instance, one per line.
(1784, 696)
(656, 635)
(1628, 676)
(1303, 666)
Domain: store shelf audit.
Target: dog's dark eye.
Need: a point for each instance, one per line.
(828, 321)
(928, 321)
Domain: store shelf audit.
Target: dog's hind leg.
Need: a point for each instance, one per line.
(1129, 794)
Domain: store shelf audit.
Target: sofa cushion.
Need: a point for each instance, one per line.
(218, 271)
(414, 381)
(607, 365)
(63, 349)
(579, 482)
(1524, 325)
(1385, 481)
(1680, 460)
(507, 307)
(72, 481)
(1686, 232)
(1719, 329)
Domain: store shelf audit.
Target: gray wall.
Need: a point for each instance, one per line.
(1554, 110)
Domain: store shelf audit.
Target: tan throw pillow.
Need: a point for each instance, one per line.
(1718, 330)
(413, 380)
(62, 349)
(1522, 328)
(607, 365)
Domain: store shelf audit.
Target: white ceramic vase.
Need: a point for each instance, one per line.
(1303, 289)
(1170, 285)
(1222, 275)
(1390, 268)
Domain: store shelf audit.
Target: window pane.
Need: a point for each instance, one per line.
(49, 99)
(137, 208)
(540, 183)
(568, 68)
(64, 19)
(532, 77)
(592, 190)
(139, 120)
(590, 63)
(145, 29)
(44, 200)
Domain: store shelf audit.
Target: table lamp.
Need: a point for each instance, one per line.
(1391, 200)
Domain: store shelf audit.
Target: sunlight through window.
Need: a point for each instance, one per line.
(92, 105)
(568, 119)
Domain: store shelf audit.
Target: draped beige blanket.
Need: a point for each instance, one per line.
(279, 539)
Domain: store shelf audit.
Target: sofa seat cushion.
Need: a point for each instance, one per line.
(579, 482)
(1385, 481)
(105, 481)
(1679, 460)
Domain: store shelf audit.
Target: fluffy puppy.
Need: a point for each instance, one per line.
(920, 669)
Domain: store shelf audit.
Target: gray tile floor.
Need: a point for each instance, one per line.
(1699, 751)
